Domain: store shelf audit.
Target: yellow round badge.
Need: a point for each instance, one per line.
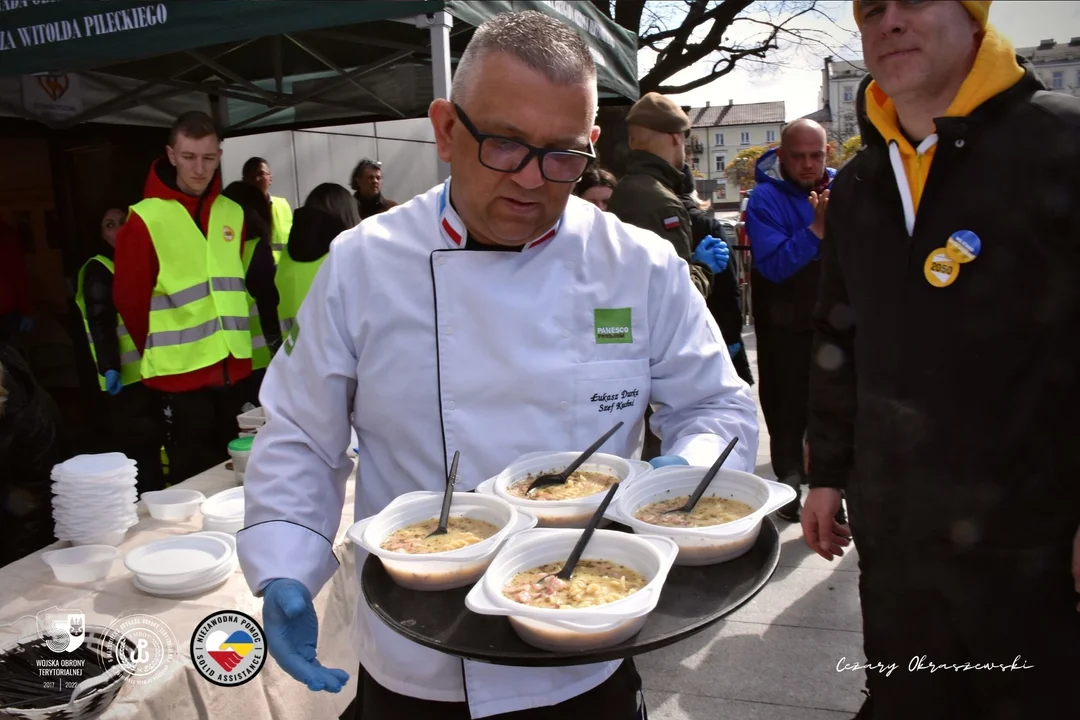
(940, 269)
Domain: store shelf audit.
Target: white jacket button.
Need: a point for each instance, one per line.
(564, 404)
(440, 260)
(565, 333)
(452, 405)
(449, 330)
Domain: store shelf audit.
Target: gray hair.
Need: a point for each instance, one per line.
(540, 42)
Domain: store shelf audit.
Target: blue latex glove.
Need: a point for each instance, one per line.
(713, 254)
(666, 460)
(292, 630)
(112, 382)
(734, 349)
(26, 324)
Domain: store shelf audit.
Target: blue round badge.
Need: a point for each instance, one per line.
(963, 246)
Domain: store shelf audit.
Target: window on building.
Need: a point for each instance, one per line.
(849, 93)
(770, 136)
(1058, 82)
(718, 139)
(694, 162)
(744, 138)
(1078, 78)
(721, 163)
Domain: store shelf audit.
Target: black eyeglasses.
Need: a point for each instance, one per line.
(510, 156)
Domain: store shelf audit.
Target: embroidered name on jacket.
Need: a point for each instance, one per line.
(612, 325)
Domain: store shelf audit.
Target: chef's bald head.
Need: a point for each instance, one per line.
(540, 42)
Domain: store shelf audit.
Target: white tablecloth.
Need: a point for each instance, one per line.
(28, 587)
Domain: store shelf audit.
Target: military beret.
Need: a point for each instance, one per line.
(659, 113)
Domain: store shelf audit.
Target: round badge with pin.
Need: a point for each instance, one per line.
(963, 246)
(940, 269)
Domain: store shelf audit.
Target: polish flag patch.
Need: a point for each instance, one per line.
(670, 223)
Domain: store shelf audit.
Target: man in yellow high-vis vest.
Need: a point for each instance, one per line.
(181, 290)
(131, 419)
(256, 171)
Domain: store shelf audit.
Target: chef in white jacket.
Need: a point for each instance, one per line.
(494, 315)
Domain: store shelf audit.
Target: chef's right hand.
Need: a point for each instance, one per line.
(292, 630)
(665, 460)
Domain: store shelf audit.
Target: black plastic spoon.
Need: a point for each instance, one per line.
(700, 489)
(448, 496)
(575, 555)
(560, 478)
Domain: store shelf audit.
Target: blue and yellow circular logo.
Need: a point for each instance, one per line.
(228, 648)
(963, 246)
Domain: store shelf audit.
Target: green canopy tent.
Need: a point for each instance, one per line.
(259, 65)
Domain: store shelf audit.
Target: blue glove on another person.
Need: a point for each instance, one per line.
(292, 631)
(112, 382)
(713, 254)
(667, 460)
(734, 349)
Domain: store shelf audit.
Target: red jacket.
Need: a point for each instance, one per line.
(14, 282)
(137, 271)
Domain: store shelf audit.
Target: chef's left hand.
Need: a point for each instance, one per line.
(666, 460)
(1076, 564)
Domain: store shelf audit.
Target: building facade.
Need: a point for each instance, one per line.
(1057, 64)
(718, 133)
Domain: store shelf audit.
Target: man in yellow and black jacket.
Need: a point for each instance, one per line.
(945, 379)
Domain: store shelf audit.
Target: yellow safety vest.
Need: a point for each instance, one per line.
(293, 280)
(260, 352)
(198, 308)
(129, 354)
(282, 215)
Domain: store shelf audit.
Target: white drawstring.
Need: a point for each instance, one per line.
(902, 181)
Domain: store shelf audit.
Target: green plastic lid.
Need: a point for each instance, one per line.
(241, 444)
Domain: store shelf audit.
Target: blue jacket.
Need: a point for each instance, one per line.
(778, 219)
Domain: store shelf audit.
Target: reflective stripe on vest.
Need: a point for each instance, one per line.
(198, 309)
(281, 213)
(293, 280)
(260, 353)
(130, 359)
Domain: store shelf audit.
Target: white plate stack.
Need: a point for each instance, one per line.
(181, 566)
(224, 512)
(94, 498)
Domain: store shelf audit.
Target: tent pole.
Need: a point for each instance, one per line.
(439, 25)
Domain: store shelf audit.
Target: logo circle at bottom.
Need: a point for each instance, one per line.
(940, 269)
(228, 648)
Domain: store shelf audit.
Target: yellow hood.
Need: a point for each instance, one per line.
(995, 70)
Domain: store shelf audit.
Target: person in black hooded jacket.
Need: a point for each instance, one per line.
(131, 414)
(30, 444)
(723, 300)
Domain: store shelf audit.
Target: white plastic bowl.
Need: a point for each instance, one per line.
(582, 629)
(705, 545)
(181, 560)
(230, 527)
(445, 570)
(111, 538)
(225, 507)
(560, 513)
(172, 504)
(81, 564)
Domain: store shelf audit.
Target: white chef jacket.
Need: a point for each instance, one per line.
(433, 349)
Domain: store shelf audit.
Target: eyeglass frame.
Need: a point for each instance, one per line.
(533, 151)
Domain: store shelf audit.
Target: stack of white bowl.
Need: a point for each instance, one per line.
(182, 566)
(94, 498)
(224, 512)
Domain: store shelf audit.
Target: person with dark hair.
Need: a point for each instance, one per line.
(131, 415)
(366, 182)
(30, 445)
(262, 319)
(16, 309)
(256, 172)
(328, 211)
(181, 289)
(596, 186)
(724, 300)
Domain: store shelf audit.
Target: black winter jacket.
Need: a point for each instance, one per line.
(949, 415)
(101, 316)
